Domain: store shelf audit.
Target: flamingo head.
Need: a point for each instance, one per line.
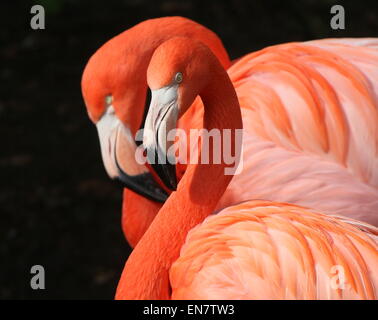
(178, 71)
(114, 89)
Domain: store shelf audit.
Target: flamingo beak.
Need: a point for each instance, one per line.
(160, 121)
(118, 153)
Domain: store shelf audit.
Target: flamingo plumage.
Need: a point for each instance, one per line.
(265, 250)
(257, 249)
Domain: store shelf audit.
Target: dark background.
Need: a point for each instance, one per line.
(57, 206)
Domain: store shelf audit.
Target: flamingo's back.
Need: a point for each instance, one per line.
(319, 97)
(264, 250)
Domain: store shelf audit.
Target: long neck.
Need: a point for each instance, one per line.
(146, 273)
(137, 214)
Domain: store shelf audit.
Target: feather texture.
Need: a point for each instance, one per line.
(264, 250)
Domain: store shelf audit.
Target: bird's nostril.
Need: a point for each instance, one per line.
(109, 146)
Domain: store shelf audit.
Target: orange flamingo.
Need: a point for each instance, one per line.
(114, 88)
(256, 249)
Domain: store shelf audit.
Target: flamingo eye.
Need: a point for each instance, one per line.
(178, 77)
(108, 100)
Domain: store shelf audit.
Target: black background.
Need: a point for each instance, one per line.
(57, 206)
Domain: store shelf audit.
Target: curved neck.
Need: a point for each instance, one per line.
(146, 273)
(140, 42)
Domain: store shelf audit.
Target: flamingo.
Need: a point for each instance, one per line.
(256, 249)
(114, 88)
(311, 113)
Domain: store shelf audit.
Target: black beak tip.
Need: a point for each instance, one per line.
(143, 184)
(167, 174)
(163, 168)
